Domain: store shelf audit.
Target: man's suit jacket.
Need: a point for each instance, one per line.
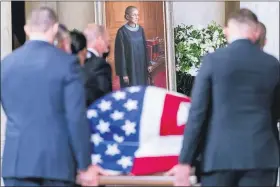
(237, 84)
(47, 133)
(98, 78)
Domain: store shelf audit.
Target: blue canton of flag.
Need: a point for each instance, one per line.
(115, 139)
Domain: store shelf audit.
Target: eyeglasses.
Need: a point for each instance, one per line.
(134, 15)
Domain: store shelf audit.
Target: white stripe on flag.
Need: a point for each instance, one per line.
(151, 144)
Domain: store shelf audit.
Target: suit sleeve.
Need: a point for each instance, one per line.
(75, 111)
(99, 82)
(199, 111)
(104, 77)
(120, 60)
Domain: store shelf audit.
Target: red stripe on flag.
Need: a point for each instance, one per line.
(169, 125)
(152, 165)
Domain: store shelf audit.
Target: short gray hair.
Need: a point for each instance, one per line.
(41, 19)
(129, 10)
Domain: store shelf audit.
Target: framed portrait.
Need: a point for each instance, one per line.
(155, 18)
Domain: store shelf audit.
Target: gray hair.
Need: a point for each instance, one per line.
(41, 19)
(129, 10)
(93, 31)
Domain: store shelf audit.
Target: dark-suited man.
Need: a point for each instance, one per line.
(98, 73)
(47, 135)
(237, 86)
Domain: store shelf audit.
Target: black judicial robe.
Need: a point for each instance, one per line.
(131, 58)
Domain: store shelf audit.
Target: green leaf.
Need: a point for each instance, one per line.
(191, 44)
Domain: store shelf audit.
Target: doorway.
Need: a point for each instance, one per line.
(18, 22)
(151, 15)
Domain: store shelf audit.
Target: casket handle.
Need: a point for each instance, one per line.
(140, 180)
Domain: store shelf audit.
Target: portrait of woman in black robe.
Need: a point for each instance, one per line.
(131, 58)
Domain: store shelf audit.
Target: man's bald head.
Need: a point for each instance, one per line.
(93, 31)
(97, 38)
(42, 23)
(41, 19)
(244, 16)
(242, 24)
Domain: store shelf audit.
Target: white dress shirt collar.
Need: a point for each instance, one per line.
(38, 38)
(233, 39)
(93, 51)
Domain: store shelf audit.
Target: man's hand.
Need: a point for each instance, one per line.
(126, 79)
(150, 69)
(182, 174)
(90, 177)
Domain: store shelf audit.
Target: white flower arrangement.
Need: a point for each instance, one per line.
(192, 43)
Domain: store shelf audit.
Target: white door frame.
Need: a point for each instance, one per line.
(100, 18)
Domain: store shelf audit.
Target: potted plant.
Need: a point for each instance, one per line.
(192, 43)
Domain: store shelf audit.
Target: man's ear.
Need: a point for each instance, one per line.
(258, 34)
(225, 31)
(26, 30)
(55, 28)
(99, 40)
(265, 42)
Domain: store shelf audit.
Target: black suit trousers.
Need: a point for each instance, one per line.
(236, 178)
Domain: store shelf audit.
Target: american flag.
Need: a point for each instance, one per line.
(138, 130)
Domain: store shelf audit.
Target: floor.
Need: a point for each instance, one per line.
(159, 81)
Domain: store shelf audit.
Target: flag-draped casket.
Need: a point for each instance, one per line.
(138, 130)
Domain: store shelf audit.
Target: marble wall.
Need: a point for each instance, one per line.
(6, 48)
(268, 13)
(198, 13)
(6, 28)
(3, 130)
(75, 15)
